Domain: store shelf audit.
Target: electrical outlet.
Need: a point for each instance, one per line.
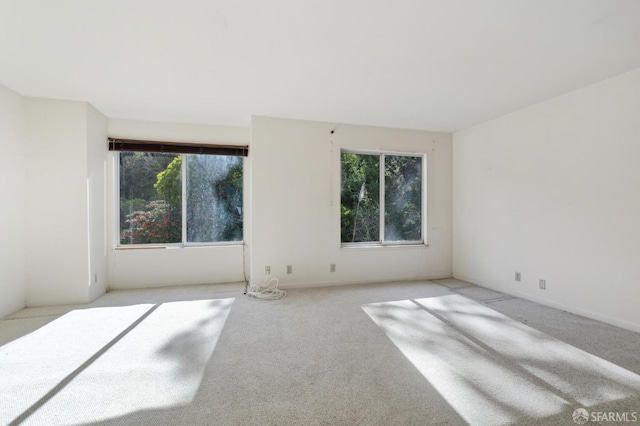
(289, 269)
(542, 284)
(333, 267)
(267, 270)
(518, 276)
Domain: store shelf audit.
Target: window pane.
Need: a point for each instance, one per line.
(360, 198)
(150, 198)
(402, 198)
(214, 198)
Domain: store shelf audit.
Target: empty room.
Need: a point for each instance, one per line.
(320, 212)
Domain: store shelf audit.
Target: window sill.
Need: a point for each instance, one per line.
(379, 246)
(178, 246)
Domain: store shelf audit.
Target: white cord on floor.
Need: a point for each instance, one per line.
(266, 291)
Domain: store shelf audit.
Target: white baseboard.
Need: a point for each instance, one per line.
(553, 304)
(313, 284)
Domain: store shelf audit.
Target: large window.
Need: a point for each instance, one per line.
(179, 198)
(381, 198)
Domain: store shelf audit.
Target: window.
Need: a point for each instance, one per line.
(381, 198)
(170, 198)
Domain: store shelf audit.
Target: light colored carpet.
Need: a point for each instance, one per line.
(398, 353)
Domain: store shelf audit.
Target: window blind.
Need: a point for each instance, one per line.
(117, 144)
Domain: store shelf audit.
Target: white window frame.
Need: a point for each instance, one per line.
(423, 199)
(184, 243)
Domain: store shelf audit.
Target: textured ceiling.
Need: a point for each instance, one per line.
(434, 65)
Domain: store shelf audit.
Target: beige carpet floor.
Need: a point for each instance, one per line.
(433, 352)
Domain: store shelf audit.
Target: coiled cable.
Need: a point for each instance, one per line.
(267, 291)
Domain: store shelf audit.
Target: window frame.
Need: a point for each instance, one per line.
(423, 200)
(183, 176)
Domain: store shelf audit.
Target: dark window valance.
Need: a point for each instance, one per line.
(116, 144)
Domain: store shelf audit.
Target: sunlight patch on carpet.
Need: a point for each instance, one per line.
(157, 363)
(492, 369)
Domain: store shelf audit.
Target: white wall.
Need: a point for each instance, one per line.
(295, 193)
(12, 224)
(96, 189)
(57, 215)
(552, 191)
(137, 268)
(270, 179)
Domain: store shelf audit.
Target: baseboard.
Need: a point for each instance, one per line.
(314, 284)
(572, 309)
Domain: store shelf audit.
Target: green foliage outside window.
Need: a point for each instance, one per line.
(151, 198)
(169, 183)
(360, 198)
(403, 198)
